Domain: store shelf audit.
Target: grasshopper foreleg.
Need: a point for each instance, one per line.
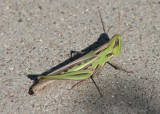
(118, 67)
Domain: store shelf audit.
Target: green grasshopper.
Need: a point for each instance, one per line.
(86, 66)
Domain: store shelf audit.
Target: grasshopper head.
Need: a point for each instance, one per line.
(117, 44)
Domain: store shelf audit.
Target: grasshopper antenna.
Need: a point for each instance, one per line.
(102, 21)
(126, 30)
(119, 26)
(119, 23)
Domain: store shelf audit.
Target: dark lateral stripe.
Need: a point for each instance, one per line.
(109, 54)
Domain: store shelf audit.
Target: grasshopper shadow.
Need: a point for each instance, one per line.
(128, 96)
(103, 38)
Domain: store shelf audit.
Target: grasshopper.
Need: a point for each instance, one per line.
(86, 66)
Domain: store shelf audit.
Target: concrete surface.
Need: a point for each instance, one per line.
(38, 35)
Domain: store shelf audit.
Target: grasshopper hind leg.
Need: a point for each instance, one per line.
(78, 83)
(97, 73)
(96, 87)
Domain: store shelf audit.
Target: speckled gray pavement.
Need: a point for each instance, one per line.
(38, 35)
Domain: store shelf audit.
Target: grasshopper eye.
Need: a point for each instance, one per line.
(116, 43)
(117, 46)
